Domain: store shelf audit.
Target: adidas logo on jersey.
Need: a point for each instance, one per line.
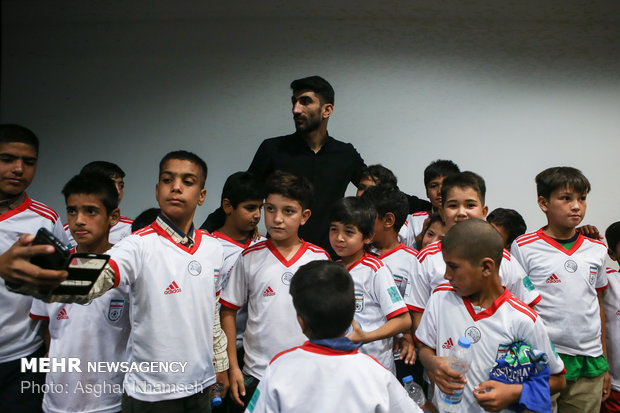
(268, 292)
(553, 279)
(448, 344)
(173, 288)
(62, 315)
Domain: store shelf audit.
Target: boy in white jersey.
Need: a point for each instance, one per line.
(509, 223)
(380, 312)
(123, 227)
(327, 373)
(261, 278)
(411, 232)
(568, 270)
(462, 198)
(474, 304)
(391, 206)
(20, 336)
(94, 332)
(611, 305)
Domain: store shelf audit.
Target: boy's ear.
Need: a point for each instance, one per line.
(227, 206)
(485, 211)
(488, 266)
(114, 217)
(305, 215)
(543, 203)
(203, 195)
(388, 220)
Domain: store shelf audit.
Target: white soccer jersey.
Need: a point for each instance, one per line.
(117, 232)
(93, 333)
(232, 251)
(173, 294)
(400, 261)
(431, 268)
(330, 381)
(19, 335)
(376, 301)
(449, 316)
(611, 304)
(412, 227)
(261, 278)
(568, 281)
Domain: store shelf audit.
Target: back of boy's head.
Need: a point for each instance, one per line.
(291, 186)
(186, 156)
(440, 167)
(466, 179)
(388, 199)
(146, 217)
(324, 298)
(473, 240)
(316, 84)
(109, 169)
(98, 185)
(612, 235)
(561, 177)
(241, 187)
(355, 211)
(509, 219)
(380, 175)
(10, 133)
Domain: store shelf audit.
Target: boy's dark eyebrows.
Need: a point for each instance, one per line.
(12, 156)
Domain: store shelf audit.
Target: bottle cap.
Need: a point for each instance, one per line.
(464, 342)
(216, 401)
(407, 379)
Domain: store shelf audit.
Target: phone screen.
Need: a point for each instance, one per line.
(87, 263)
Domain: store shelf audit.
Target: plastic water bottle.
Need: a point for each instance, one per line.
(459, 360)
(414, 390)
(216, 392)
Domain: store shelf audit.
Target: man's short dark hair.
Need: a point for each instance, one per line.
(380, 175)
(612, 235)
(93, 184)
(509, 219)
(463, 180)
(242, 186)
(440, 167)
(386, 199)
(109, 169)
(473, 240)
(355, 211)
(146, 217)
(290, 185)
(561, 177)
(323, 296)
(186, 156)
(316, 84)
(10, 133)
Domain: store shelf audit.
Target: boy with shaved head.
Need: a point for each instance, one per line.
(473, 303)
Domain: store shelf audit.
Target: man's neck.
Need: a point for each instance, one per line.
(559, 232)
(287, 247)
(315, 139)
(232, 232)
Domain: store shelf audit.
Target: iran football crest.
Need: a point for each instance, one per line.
(116, 309)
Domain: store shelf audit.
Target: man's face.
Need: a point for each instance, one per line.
(307, 111)
(18, 164)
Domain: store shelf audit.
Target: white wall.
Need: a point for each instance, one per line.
(504, 97)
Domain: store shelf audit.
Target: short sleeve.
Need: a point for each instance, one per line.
(427, 330)
(39, 310)
(387, 294)
(517, 281)
(601, 277)
(264, 399)
(126, 259)
(235, 291)
(59, 232)
(420, 290)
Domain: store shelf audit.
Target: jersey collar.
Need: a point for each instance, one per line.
(489, 311)
(557, 245)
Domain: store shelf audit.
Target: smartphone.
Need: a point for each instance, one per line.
(54, 261)
(83, 269)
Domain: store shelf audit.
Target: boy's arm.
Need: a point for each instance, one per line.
(607, 377)
(393, 326)
(228, 317)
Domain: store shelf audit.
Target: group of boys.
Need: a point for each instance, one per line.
(400, 281)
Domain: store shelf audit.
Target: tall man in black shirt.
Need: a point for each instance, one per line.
(328, 163)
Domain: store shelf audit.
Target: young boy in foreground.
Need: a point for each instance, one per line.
(334, 377)
(95, 332)
(475, 304)
(261, 278)
(568, 270)
(611, 305)
(380, 312)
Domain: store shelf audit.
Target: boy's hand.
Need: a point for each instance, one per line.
(15, 266)
(222, 377)
(444, 377)
(357, 335)
(406, 347)
(237, 385)
(256, 235)
(590, 231)
(494, 396)
(606, 386)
